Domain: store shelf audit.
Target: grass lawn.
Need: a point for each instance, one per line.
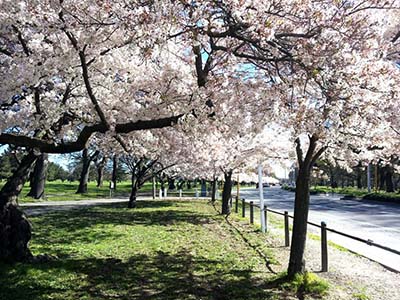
(62, 191)
(161, 250)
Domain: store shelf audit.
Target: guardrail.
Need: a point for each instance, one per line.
(322, 226)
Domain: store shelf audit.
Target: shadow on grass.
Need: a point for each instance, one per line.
(76, 226)
(161, 276)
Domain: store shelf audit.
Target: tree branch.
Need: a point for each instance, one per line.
(299, 152)
(81, 142)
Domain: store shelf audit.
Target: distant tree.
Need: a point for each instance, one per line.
(56, 172)
(9, 161)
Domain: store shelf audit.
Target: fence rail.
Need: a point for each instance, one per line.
(322, 226)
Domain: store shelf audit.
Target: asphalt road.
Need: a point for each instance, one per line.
(376, 221)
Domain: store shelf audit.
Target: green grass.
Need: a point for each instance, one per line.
(63, 191)
(308, 283)
(361, 296)
(161, 250)
(354, 192)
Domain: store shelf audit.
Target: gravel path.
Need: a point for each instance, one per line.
(350, 274)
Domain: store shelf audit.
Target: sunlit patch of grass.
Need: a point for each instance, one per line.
(160, 250)
(307, 283)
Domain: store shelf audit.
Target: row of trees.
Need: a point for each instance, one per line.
(203, 87)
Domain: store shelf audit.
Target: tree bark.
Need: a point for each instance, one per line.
(302, 201)
(301, 206)
(359, 176)
(389, 179)
(226, 192)
(132, 197)
(382, 177)
(171, 184)
(39, 175)
(84, 177)
(114, 171)
(15, 229)
(213, 189)
(100, 172)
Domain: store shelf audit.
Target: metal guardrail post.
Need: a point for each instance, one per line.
(236, 204)
(287, 243)
(251, 212)
(324, 248)
(243, 208)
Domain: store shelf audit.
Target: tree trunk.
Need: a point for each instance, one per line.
(114, 171)
(382, 177)
(359, 176)
(171, 184)
(213, 189)
(84, 177)
(132, 198)
(302, 201)
(203, 188)
(226, 192)
(15, 229)
(301, 206)
(389, 179)
(39, 175)
(162, 186)
(100, 172)
(154, 188)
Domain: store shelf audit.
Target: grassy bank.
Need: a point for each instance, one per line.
(161, 250)
(353, 192)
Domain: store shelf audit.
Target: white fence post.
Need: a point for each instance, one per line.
(180, 193)
(260, 189)
(160, 195)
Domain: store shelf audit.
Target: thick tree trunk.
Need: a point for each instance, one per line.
(39, 175)
(226, 193)
(84, 177)
(301, 205)
(132, 198)
(100, 172)
(302, 201)
(213, 189)
(15, 229)
(389, 179)
(100, 176)
(114, 171)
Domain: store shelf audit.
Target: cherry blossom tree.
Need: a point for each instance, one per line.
(330, 60)
(72, 69)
